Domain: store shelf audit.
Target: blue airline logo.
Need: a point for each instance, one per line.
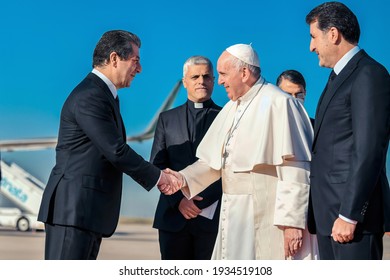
(7, 186)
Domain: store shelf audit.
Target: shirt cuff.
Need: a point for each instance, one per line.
(347, 220)
(159, 178)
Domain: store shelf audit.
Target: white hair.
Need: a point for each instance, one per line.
(195, 60)
(238, 64)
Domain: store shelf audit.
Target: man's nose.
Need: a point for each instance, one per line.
(312, 48)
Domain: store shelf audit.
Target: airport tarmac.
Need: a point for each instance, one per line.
(131, 241)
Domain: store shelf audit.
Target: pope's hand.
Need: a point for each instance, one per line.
(170, 182)
(292, 240)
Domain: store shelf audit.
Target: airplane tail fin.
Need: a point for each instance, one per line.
(168, 103)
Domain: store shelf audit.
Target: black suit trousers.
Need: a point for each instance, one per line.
(362, 247)
(190, 243)
(71, 243)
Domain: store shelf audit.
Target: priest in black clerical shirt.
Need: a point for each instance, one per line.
(187, 228)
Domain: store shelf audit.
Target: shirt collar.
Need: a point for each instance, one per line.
(345, 59)
(251, 92)
(110, 85)
(199, 105)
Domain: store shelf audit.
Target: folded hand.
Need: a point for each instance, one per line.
(188, 208)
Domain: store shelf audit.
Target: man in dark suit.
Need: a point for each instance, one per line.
(81, 201)
(350, 195)
(185, 231)
(293, 83)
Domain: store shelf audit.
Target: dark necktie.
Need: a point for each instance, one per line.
(117, 102)
(332, 76)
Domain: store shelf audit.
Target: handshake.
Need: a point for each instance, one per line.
(170, 181)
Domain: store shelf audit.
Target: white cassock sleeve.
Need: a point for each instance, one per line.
(198, 177)
(292, 194)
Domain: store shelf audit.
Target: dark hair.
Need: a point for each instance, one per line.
(335, 14)
(293, 76)
(118, 41)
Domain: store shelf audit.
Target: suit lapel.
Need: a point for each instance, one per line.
(107, 92)
(331, 90)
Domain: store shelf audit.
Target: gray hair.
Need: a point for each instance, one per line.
(196, 60)
(238, 64)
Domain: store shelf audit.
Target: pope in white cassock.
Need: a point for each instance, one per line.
(260, 145)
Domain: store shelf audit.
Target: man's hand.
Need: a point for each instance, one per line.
(292, 240)
(342, 231)
(170, 181)
(188, 208)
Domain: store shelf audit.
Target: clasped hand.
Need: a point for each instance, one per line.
(170, 181)
(293, 238)
(342, 231)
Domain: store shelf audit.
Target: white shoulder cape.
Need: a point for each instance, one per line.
(274, 128)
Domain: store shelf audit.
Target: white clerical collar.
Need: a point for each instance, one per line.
(198, 105)
(345, 59)
(110, 85)
(252, 91)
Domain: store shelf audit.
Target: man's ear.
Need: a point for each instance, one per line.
(245, 74)
(113, 59)
(334, 35)
(184, 82)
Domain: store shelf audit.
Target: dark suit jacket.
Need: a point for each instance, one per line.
(351, 137)
(85, 186)
(172, 148)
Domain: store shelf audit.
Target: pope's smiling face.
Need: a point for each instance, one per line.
(230, 76)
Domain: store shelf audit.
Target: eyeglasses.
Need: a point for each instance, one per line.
(300, 95)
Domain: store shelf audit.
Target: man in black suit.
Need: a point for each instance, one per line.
(184, 231)
(350, 195)
(293, 83)
(81, 201)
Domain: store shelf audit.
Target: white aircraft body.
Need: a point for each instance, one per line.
(51, 142)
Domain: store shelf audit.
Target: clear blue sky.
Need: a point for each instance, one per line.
(47, 47)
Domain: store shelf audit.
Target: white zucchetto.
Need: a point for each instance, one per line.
(244, 53)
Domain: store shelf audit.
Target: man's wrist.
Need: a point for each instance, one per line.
(159, 178)
(347, 220)
(183, 182)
